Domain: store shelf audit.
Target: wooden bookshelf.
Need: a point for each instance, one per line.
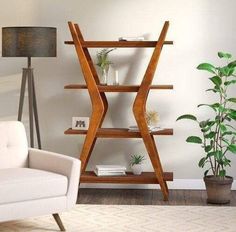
(97, 93)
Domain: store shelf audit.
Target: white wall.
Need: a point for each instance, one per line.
(199, 29)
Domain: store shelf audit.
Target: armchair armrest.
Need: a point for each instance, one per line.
(60, 164)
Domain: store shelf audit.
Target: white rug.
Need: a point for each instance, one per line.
(134, 218)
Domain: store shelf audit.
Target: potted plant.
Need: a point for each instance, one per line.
(136, 164)
(103, 63)
(217, 132)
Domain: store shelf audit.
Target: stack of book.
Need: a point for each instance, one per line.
(138, 38)
(110, 170)
(151, 128)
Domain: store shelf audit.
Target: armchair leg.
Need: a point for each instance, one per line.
(58, 221)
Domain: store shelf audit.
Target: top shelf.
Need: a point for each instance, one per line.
(119, 44)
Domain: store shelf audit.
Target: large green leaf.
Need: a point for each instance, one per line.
(213, 90)
(222, 173)
(213, 106)
(187, 116)
(226, 71)
(232, 148)
(194, 139)
(223, 128)
(202, 162)
(218, 155)
(230, 82)
(216, 80)
(233, 99)
(206, 172)
(224, 55)
(210, 135)
(232, 114)
(208, 148)
(210, 154)
(232, 64)
(207, 67)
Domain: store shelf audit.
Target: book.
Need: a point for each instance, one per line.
(138, 38)
(113, 173)
(110, 168)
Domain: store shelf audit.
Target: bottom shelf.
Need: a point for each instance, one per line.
(144, 178)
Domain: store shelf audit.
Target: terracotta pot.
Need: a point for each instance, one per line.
(218, 189)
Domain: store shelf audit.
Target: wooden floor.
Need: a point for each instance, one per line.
(144, 197)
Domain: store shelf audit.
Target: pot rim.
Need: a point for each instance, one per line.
(218, 180)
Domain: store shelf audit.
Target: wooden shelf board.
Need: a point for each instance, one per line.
(118, 44)
(144, 178)
(118, 133)
(117, 88)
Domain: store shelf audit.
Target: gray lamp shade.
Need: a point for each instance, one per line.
(29, 42)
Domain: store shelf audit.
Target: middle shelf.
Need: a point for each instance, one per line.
(117, 88)
(118, 132)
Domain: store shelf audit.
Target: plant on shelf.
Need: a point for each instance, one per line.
(136, 164)
(218, 133)
(152, 117)
(104, 63)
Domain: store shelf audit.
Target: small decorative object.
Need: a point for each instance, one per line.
(136, 164)
(103, 63)
(138, 38)
(116, 79)
(80, 123)
(152, 117)
(218, 133)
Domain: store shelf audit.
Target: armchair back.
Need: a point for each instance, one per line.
(13, 145)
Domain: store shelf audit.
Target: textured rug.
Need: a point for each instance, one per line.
(133, 218)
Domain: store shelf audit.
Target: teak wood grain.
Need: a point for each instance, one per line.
(139, 110)
(119, 44)
(129, 178)
(118, 132)
(100, 106)
(119, 88)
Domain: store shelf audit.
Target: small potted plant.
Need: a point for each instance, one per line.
(217, 132)
(103, 63)
(136, 164)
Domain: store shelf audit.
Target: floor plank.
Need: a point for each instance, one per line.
(144, 197)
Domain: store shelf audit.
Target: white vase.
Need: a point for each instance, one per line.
(137, 169)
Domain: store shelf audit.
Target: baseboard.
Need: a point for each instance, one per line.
(176, 184)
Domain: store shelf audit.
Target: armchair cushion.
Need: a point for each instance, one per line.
(24, 184)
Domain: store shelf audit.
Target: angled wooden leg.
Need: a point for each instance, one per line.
(59, 222)
(99, 102)
(90, 138)
(102, 95)
(139, 110)
(153, 140)
(152, 151)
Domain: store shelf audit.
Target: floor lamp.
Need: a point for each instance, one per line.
(29, 42)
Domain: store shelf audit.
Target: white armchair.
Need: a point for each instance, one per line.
(34, 182)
